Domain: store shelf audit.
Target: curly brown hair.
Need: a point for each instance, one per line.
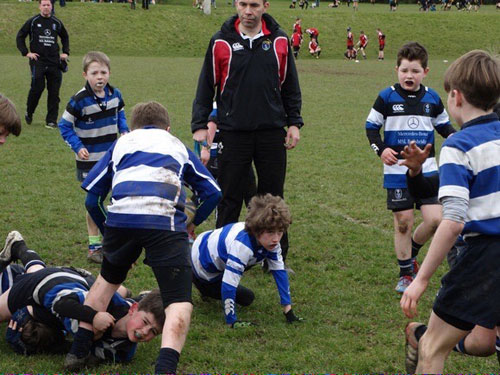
(267, 213)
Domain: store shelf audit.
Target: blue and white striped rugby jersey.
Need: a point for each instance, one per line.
(470, 169)
(407, 117)
(145, 170)
(224, 253)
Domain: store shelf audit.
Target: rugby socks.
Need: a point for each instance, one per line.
(94, 243)
(405, 267)
(26, 256)
(415, 248)
(82, 342)
(419, 332)
(460, 347)
(167, 361)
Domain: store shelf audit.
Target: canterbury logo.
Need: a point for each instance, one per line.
(229, 306)
(398, 108)
(237, 46)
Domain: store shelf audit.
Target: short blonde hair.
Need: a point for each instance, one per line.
(150, 113)
(477, 76)
(95, 56)
(267, 213)
(9, 119)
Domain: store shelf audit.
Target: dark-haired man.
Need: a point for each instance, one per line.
(46, 63)
(250, 70)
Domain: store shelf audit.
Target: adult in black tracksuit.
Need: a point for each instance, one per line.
(250, 70)
(45, 60)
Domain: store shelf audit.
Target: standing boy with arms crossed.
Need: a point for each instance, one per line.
(470, 193)
(408, 111)
(89, 125)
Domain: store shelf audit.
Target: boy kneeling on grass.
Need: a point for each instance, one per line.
(219, 257)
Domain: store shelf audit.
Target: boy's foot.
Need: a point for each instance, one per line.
(411, 347)
(415, 266)
(95, 253)
(6, 253)
(403, 283)
(28, 118)
(74, 364)
(51, 125)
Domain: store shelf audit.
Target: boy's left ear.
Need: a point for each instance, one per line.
(133, 308)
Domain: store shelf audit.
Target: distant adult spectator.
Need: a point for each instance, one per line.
(46, 63)
(250, 57)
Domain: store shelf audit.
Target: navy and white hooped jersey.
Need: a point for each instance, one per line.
(407, 117)
(55, 284)
(224, 253)
(145, 170)
(93, 123)
(8, 276)
(470, 169)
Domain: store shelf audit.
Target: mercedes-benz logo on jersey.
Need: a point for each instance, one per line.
(47, 32)
(266, 45)
(413, 123)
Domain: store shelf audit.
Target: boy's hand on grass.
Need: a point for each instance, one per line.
(240, 324)
(292, 318)
(83, 153)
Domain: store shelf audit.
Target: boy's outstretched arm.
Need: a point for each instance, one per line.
(201, 182)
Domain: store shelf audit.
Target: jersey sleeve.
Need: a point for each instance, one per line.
(202, 183)
(66, 126)
(122, 119)
(454, 174)
(63, 34)
(277, 268)
(374, 122)
(100, 177)
(441, 121)
(21, 37)
(205, 92)
(290, 92)
(237, 259)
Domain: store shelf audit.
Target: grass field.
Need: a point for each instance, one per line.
(341, 238)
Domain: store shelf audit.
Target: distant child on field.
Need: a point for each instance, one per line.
(297, 26)
(408, 111)
(10, 123)
(313, 33)
(90, 124)
(220, 257)
(362, 43)
(295, 42)
(314, 48)
(350, 44)
(145, 171)
(381, 44)
(469, 190)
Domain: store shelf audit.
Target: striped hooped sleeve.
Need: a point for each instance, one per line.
(237, 259)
